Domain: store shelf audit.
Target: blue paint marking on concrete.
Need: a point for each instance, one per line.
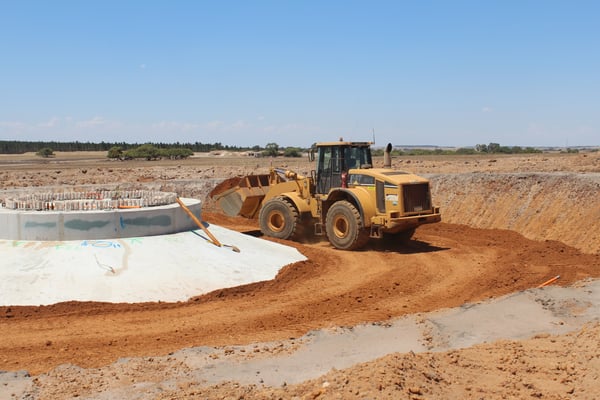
(160, 220)
(122, 222)
(82, 225)
(101, 244)
(30, 224)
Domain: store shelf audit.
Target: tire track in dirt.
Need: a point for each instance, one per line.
(445, 266)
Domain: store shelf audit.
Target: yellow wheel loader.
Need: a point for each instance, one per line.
(344, 197)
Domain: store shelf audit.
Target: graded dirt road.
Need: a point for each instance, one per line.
(445, 265)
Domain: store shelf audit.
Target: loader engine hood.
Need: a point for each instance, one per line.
(389, 176)
(397, 194)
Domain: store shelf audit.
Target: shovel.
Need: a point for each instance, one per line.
(213, 239)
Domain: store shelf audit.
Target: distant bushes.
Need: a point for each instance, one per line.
(292, 152)
(149, 152)
(176, 153)
(115, 152)
(271, 150)
(274, 150)
(45, 152)
(492, 148)
(153, 151)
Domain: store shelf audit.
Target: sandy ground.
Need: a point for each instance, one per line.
(472, 257)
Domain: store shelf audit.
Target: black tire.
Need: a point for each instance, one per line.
(405, 236)
(399, 237)
(278, 218)
(344, 227)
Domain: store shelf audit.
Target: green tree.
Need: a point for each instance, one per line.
(45, 152)
(176, 153)
(147, 151)
(493, 147)
(465, 150)
(115, 152)
(292, 152)
(271, 150)
(481, 148)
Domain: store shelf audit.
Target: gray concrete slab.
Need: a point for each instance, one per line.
(152, 268)
(552, 310)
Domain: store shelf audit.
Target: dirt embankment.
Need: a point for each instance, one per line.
(542, 206)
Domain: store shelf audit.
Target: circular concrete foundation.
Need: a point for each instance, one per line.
(94, 215)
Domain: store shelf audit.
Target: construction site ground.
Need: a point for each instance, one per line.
(510, 224)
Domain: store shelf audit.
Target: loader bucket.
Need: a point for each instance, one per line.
(245, 198)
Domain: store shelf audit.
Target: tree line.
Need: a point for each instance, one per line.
(492, 148)
(20, 146)
(149, 152)
(181, 150)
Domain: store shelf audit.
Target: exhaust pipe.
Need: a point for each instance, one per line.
(387, 156)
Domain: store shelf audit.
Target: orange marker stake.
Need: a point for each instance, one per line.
(549, 281)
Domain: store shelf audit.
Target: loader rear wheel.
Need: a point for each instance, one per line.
(344, 227)
(278, 218)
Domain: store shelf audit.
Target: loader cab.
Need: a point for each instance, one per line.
(335, 159)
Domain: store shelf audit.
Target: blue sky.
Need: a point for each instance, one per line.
(453, 73)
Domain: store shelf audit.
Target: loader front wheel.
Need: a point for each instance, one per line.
(278, 218)
(405, 236)
(344, 227)
(399, 238)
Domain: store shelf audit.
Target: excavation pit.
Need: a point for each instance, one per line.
(92, 215)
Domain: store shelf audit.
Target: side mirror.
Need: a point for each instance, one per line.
(311, 155)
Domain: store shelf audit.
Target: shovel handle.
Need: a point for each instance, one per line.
(198, 222)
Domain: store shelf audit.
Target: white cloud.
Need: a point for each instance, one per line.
(51, 123)
(213, 125)
(487, 109)
(289, 127)
(237, 125)
(62, 128)
(13, 125)
(163, 125)
(92, 123)
(96, 128)
(98, 123)
(535, 128)
(186, 127)
(174, 126)
(222, 126)
(234, 127)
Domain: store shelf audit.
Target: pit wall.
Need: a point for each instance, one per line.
(99, 224)
(547, 206)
